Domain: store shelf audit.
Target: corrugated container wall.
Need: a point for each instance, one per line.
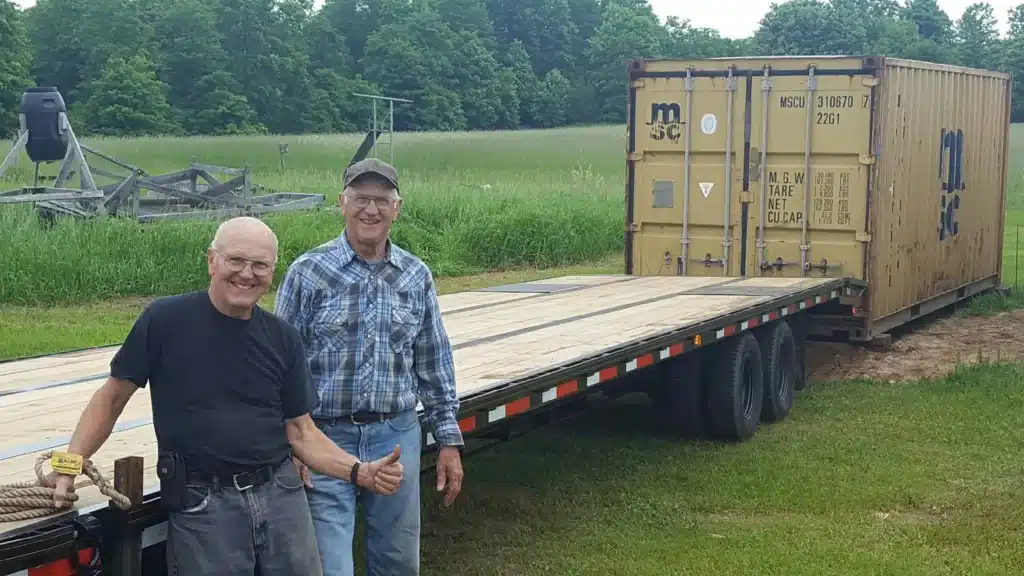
(887, 171)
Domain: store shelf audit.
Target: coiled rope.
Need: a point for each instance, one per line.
(26, 500)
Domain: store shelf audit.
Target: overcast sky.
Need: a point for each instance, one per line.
(739, 18)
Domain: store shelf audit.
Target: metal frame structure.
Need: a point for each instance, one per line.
(375, 124)
(36, 193)
(190, 193)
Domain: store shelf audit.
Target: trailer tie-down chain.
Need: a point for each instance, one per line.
(26, 500)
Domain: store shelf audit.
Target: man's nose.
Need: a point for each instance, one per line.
(246, 271)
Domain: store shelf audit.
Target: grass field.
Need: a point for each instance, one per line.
(473, 202)
(863, 478)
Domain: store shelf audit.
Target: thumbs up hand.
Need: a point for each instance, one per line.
(383, 475)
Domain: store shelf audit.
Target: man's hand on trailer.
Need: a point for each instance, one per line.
(94, 427)
(63, 485)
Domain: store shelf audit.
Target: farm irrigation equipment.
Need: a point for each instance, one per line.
(46, 136)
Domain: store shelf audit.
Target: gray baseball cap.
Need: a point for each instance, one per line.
(371, 166)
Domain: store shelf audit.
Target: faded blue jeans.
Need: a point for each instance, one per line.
(392, 522)
(225, 532)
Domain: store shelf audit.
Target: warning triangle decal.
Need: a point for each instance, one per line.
(705, 188)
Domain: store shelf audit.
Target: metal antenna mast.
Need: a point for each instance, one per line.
(375, 127)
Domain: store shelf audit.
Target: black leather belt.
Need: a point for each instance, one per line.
(241, 481)
(366, 417)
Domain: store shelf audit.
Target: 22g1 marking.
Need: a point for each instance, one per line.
(829, 118)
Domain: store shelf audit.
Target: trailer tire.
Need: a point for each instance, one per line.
(736, 393)
(778, 351)
(678, 397)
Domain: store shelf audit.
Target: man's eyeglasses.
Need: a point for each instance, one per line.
(237, 264)
(364, 201)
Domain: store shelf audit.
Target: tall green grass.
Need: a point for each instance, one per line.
(473, 201)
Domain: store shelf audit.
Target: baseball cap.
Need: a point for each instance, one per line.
(371, 166)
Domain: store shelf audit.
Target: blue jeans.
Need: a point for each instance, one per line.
(225, 532)
(392, 522)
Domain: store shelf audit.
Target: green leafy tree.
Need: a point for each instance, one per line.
(553, 101)
(627, 32)
(414, 59)
(14, 69)
(544, 27)
(256, 66)
(1014, 60)
(976, 38)
(128, 99)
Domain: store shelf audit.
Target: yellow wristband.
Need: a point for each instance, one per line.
(65, 463)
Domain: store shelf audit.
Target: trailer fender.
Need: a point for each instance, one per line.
(799, 325)
(778, 353)
(679, 397)
(736, 388)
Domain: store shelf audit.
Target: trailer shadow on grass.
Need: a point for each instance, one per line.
(920, 478)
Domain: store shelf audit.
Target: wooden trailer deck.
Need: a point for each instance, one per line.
(498, 334)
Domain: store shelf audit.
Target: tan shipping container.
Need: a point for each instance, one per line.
(907, 163)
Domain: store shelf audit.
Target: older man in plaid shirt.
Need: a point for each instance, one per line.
(368, 314)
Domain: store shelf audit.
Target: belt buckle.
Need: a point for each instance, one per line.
(234, 480)
(359, 422)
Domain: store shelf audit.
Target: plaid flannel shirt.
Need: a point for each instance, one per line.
(374, 336)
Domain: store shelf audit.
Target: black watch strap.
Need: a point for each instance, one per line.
(355, 473)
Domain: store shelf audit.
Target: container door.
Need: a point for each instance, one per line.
(809, 157)
(688, 142)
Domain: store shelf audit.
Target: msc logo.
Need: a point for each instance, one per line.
(666, 121)
(951, 175)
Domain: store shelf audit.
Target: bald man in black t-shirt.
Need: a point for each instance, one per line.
(231, 395)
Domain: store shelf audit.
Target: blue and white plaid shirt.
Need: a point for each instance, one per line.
(373, 334)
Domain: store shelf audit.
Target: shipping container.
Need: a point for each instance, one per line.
(885, 171)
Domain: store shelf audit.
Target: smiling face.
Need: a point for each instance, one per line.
(370, 205)
(241, 265)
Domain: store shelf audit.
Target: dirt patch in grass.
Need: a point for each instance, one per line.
(929, 351)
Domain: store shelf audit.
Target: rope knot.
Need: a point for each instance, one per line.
(26, 500)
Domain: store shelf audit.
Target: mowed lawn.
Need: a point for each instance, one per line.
(863, 478)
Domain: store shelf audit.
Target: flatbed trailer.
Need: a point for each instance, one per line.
(704, 347)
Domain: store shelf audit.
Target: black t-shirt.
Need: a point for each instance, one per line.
(221, 387)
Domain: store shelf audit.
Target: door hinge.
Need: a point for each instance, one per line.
(867, 159)
(746, 197)
(635, 156)
(638, 83)
(863, 237)
(634, 227)
(871, 81)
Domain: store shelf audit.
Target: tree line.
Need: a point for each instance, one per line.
(138, 67)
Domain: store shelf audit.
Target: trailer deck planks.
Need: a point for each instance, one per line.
(506, 339)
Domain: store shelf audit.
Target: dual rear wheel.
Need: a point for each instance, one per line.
(724, 392)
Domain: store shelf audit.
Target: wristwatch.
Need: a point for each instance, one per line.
(355, 473)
